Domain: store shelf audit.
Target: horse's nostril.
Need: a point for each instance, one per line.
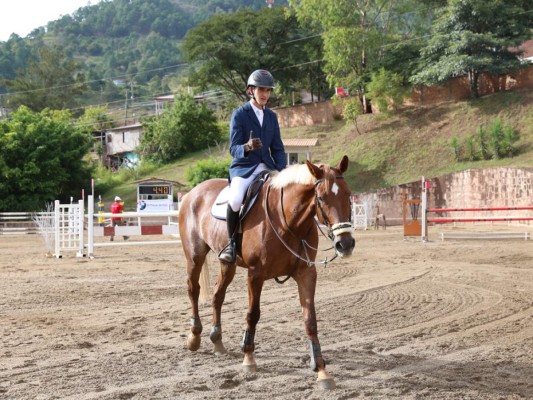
(343, 246)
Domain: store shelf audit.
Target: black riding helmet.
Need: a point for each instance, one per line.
(261, 78)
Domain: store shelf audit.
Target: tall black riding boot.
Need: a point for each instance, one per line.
(228, 253)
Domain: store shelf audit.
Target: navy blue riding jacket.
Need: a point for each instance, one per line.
(272, 153)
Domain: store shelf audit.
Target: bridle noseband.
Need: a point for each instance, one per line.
(333, 229)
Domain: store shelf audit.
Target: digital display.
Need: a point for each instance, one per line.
(154, 189)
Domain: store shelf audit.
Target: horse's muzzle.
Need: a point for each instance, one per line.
(344, 244)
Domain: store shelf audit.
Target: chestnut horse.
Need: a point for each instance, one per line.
(279, 238)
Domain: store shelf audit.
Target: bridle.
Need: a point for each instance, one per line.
(333, 229)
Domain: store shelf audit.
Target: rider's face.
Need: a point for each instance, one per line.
(261, 95)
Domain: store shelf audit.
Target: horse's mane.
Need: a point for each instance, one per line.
(297, 173)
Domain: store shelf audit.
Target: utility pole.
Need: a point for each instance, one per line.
(126, 109)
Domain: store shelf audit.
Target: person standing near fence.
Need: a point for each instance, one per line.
(117, 208)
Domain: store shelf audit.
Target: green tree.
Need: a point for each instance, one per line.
(386, 88)
(41, 159)
(358, 35)
(51, 81)
(471, 37)
(185, 127)
(95, 119)
(228, 47)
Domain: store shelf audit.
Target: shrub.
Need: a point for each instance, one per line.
(470, 148)
(207, 169)
(386, 88)
(184, 128)
(510, 136)
(454, 142)
(483, 145)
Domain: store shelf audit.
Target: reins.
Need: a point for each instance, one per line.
(303, 243)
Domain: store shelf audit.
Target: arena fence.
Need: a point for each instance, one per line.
(170, 229)
(19, 223)
(474, 219)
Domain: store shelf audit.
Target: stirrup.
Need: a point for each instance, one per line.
(228, 253)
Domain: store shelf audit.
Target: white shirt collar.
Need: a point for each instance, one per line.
(256, 109)
(259, 113)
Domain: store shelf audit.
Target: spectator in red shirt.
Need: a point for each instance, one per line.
(117, 208)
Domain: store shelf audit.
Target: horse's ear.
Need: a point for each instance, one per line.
(315, 171)
(343, 164)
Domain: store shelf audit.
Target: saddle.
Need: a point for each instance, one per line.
(218, 210)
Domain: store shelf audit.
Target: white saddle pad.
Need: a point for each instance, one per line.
(220, 206)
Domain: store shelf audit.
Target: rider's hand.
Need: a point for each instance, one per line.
(253, 143)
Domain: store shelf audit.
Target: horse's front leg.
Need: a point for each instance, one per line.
(306, 279)
(194, 267)
(255, 286)
(225, 277)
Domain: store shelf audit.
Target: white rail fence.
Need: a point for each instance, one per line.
(63, 228)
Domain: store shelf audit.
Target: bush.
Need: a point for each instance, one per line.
(510, 136)
(207, 169)
(386, 88)
(482, 141)
(496, 136)
(498, 144)
(454, 142)
(470, 148)
(184, 128)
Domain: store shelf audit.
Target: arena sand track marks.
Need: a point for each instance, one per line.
(401, 319)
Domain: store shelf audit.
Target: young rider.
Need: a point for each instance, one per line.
(255, 145)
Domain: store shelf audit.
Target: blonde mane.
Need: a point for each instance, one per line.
(297, 173)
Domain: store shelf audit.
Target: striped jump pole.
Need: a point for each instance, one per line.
(445, 220)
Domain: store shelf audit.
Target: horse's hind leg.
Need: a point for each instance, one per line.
(225, 276)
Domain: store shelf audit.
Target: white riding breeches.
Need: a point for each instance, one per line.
(239, 186)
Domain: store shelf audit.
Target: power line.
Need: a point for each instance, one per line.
(94, 80)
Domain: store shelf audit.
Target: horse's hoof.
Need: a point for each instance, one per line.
(250, 368)
(193, 342)
(326, 384)
(248, 363)
(219, 348)
(325, 381)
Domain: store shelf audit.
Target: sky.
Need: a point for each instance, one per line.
(23, 16)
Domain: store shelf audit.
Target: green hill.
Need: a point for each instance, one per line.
(387, 151)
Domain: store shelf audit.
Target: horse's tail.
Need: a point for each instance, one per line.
(204, 282)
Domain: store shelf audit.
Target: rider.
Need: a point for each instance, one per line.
(255, 145)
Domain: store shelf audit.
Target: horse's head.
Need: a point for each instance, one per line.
(333, 206)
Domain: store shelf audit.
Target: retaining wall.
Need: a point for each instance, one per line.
(487, 187)
(455, 89)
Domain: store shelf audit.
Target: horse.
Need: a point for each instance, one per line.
(280, 236)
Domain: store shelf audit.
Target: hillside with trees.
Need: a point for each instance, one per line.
(104, 64)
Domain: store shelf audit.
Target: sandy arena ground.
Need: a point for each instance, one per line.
(399, 320)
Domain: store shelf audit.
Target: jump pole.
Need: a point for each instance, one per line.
(444, 220)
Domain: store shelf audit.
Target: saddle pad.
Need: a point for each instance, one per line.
(220, 206)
